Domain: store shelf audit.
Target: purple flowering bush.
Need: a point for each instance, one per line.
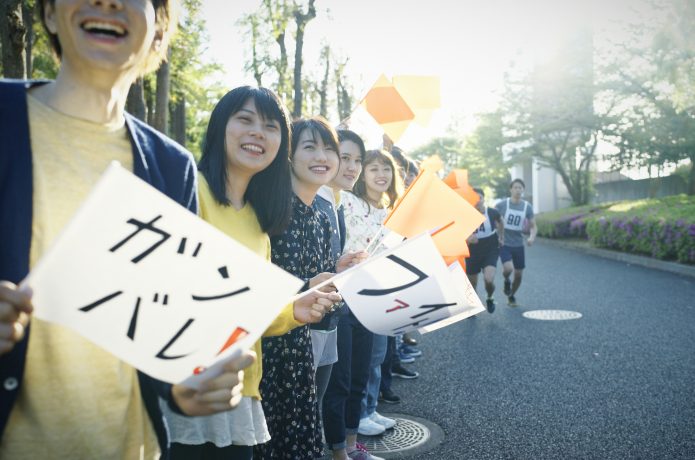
(662, 228)
(568, 222)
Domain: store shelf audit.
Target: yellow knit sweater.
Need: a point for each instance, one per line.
(243, 226)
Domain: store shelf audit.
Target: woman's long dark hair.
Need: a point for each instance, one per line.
(395, 189)
(269, 191)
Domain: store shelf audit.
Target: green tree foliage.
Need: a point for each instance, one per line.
(558, 113)
(654, 86)
(179, 97)
(558, 131)
(192, 79)
(480, 153)
(449, 149)
(44, 63)
(272, 31)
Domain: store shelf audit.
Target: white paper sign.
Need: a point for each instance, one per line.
(150, 282)
(469, 305)
(402, 289)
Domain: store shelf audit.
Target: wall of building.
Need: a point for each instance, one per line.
(639, 189)
(549, 193)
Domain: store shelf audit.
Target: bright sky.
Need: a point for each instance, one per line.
(468, 43)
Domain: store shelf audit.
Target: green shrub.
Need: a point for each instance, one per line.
(662, 228)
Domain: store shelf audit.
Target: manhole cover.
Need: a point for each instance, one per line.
(407, 434)
(551, 315)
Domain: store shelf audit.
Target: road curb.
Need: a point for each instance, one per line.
(583, 246)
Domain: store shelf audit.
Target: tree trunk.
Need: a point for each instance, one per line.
(178, 121)
(299, 45)
(255, 63)
(28, 17)
(323, 92)
(282, 68)
(161, 111)
(344, 101)
(12, 39)
(149, 100)
(135, 105)
(301, 20)
(343, 98)
(691, 177)
(566, 177)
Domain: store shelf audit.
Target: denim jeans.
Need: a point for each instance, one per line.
(348, 382)
(323, 375)
(370, 400)
(391, 359)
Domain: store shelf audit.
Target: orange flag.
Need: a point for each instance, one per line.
(429, 204)
(461, 259)
(458, 180)
(389, 109)
(448, 244)
(422, 93)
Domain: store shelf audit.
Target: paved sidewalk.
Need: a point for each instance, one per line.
(585, 246)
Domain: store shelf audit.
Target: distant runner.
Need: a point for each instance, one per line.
(516, 214)
(484, 245)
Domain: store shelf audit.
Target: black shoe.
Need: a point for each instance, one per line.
(490, 304)
(511, 301)
(402, 372)
(389, 397)
(507, 287)
(409, 341)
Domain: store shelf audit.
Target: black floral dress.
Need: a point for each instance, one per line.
(288, 386)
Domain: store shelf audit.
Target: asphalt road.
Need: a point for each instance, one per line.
(618, 383)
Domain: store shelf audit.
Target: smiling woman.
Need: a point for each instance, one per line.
(245, 191)
(314, 157)
(304, 250)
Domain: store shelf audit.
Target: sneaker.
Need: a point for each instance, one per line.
(369, 428)
(362, 454)
(389, 397)
(405, 359)
(386, 422)
(511, 301)
(409, 341)
(410, 351)
(490, 304)
(402, 372)
(507, 287)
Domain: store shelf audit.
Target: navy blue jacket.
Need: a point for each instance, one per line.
(156, 159)
(337, 239)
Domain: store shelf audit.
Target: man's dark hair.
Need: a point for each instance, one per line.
(519, 181)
